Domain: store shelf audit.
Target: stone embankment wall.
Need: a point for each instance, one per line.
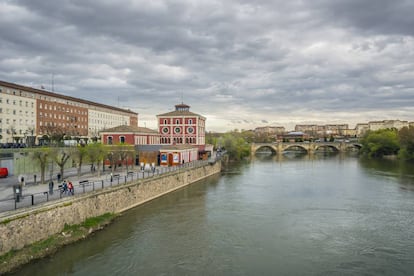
(25, 227)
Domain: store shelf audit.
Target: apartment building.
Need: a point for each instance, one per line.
(26, 111)
(397, 124)
(270, 130)
(323, 130)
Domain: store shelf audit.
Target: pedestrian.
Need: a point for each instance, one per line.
(112, 177)
(70, 188)
(51, 184)
(64, 187)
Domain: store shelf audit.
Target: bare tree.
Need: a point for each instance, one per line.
(61, 156)
(42, 155)
(79, 154)
(125, 151)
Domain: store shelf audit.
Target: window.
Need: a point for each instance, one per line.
(177, 122)
(165, 130)
(109, 140)
(177, 130)
(190, 121)
(165, 121)
(122, 139)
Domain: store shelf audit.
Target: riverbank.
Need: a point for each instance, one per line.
(41, 249)
(29, 228)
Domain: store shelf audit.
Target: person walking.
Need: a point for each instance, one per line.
(70, 188)
(64, 187)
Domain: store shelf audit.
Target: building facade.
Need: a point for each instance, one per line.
(397, 124)
(318, 131)
(182, 127)
(132, 135)
(26, 111)
(270, 130)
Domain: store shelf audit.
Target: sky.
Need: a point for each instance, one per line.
(241, 64)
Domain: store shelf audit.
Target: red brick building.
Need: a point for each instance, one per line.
(182, 126)
(132, 135)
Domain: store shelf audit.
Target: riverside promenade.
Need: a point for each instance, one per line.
(33, 193)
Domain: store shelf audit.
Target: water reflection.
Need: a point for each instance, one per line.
(403, 172)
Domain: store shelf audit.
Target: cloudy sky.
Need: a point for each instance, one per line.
(241, 64)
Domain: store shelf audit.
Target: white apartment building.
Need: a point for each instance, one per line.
(102, 119)
(17, 114)
(397, 124)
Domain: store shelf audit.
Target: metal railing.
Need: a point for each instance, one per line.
(83, 186)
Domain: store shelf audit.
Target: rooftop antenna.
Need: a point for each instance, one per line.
(53, 82)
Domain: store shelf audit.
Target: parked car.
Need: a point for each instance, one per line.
(4, 172)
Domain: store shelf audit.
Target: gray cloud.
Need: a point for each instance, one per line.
(240, 63)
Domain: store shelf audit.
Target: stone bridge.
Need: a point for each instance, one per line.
(312, 147)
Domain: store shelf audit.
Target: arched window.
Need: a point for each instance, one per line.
(109, 142)
(122, 139)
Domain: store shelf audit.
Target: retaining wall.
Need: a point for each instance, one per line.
(40, 222)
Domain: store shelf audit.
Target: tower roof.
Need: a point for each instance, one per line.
(180, 110)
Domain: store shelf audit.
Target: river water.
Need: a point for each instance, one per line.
(298, 215)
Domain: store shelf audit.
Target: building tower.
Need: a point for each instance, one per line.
(181, 127)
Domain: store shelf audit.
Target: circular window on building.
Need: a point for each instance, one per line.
(177, 130)
(165, 130)
(190, 130)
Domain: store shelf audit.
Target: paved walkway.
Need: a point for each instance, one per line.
(30, 187)
(34, 193)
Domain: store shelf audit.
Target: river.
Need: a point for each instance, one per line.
(299, 215)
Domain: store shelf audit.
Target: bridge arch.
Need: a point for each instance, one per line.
(327, 146)
(353, 147)
(299, 146)
(260, 148)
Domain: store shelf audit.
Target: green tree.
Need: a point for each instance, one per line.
(406, 139)
(60, 156)
(79, 154)
(381, 142)
(96, 153)
(236, 146)
(42, 155)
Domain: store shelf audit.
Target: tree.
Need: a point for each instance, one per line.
(236, 146)
(79, 154)
(60, 156)
(96, 154)
(380, 142)
(113, 157)
(42, 155)
(125, 151)
(406, 139)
